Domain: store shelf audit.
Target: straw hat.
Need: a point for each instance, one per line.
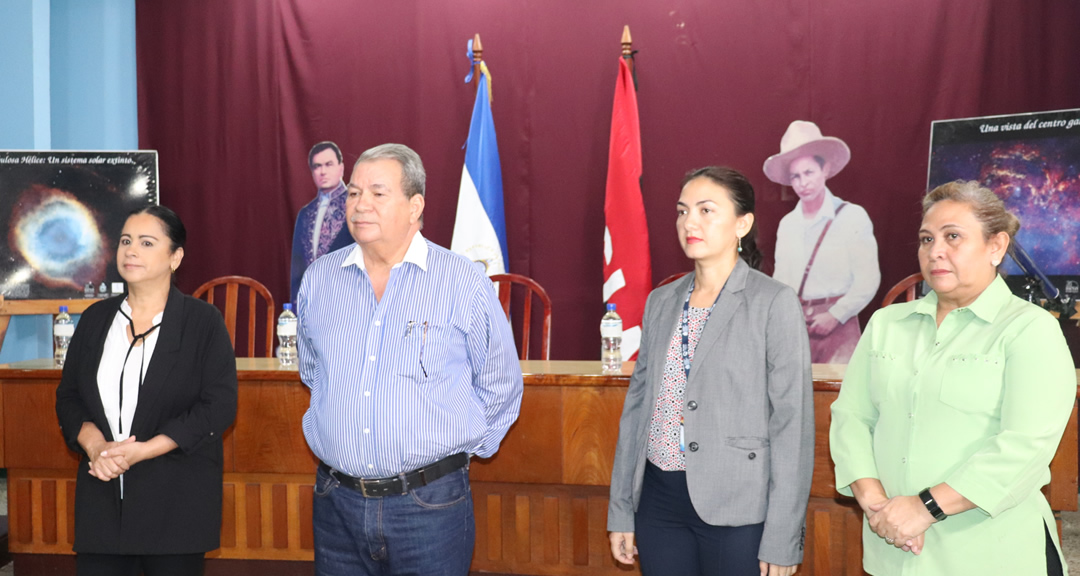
(804, 139)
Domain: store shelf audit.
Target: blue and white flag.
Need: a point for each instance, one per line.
(480, 225)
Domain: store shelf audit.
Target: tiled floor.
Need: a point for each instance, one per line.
(1070, 540)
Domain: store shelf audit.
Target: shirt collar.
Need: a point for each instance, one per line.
(416, 254)
(992, 300)
(338, 191)
(827, 210)
(127, 310)
(986, 306)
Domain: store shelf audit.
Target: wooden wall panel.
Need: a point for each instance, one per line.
(590, 432)
(1062, 491)
(268, 435)
(532, 449)
(267, 517)
(833, 538)
(32, 436)
(824, 480)
(541, 529)
(41, 506)
(3, 459)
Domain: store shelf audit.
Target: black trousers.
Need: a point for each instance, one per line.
(673, 540)
(1053, 561)
(148, 565)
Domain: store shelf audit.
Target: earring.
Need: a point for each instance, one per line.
(739, 249)
(995, 262)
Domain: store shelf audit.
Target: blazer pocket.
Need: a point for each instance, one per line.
(747, 442)
(746, 463)
(973, 383)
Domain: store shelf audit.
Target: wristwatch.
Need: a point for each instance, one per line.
(932, 505)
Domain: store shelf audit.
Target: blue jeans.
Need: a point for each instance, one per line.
(430, 531)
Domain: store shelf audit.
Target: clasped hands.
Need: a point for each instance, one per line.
(109, 460)
(902, 521)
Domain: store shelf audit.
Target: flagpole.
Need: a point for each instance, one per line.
(628, 52)
(477, 58)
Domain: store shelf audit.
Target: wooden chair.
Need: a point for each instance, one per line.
(504, 283)
(255, 292)
(908, 287)
(671, 278)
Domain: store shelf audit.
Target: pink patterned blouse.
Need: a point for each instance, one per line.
(664, 430)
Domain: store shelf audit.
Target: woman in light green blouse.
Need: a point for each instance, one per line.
(952, 408)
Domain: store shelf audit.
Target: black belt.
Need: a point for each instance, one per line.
(401, 484)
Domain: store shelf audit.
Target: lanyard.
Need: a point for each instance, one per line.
(684, 328)
(135, 338)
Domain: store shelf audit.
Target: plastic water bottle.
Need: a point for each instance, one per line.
(611, 341)
(286, 333)
(63, 329)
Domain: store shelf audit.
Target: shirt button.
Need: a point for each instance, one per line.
(378, 322)
(691, 405)
(367, 393)
(903, 460)
(937, 343)
(910, 415)
(916, 372)
(370, 466)
(752, 455)
(367, 430)
(371, 358)
(693, 446)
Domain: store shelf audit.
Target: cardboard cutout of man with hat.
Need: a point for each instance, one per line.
(825, 247)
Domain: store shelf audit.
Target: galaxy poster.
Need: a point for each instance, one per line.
(1032, 162)
(62, 213)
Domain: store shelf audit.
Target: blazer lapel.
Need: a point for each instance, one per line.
(665, 319)
(165, 354)
(100, 333)
(730, 300)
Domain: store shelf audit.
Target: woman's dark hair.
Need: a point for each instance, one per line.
(741, 193)
(174, 227)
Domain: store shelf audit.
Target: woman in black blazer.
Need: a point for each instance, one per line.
(148, 389)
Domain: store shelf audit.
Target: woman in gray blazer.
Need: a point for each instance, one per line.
(716, 441)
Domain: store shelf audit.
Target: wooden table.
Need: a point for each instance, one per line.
(540, 503)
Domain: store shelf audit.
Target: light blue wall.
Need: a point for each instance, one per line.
(24, 68)
(69, 83)
(94, 90)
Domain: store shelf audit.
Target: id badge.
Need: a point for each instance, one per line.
(682, 435)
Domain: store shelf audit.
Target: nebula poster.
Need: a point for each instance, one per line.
(62, 213)
(1032, 162)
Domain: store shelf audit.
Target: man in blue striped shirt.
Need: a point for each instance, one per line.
(412, 369)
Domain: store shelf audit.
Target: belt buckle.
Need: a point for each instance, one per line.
(363, 489)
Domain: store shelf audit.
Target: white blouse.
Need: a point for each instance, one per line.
(112, 363)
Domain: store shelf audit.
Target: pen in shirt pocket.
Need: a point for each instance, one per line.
(409, 326)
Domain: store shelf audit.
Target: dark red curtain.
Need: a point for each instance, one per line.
(232, 93)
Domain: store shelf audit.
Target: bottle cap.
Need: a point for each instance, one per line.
(610, 307)
(287, 306)
(63, 309)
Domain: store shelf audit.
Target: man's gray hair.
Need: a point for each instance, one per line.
(413, 177)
